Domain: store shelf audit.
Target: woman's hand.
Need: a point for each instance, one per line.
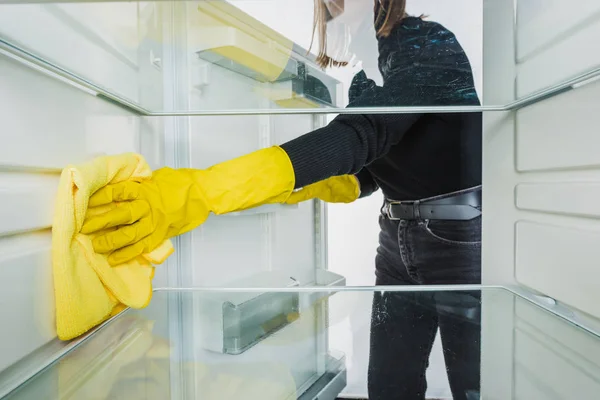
(129, 219)
(337, 189)
(133, 218)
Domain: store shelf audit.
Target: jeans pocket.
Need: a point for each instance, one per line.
(462, 233)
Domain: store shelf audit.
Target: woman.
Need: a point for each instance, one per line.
(427, 165)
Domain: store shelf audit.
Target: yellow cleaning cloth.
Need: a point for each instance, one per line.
(87, 289)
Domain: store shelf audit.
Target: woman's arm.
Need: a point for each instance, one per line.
(349, 142)
(366, 183)
(425, 65)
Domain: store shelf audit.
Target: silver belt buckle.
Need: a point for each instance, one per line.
(414, 204)
(386, 210)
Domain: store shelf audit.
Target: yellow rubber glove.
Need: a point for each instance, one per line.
(132, 218)
(337, 189)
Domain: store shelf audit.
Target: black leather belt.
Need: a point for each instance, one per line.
(460, 207)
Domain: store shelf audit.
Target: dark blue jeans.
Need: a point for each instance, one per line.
(404, 324)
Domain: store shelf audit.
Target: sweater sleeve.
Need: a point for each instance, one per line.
(350, 141)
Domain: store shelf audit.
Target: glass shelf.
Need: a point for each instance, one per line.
(141, 54)
(265, 209)
(517, 347)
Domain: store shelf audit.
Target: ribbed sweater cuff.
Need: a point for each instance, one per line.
(328, 151)
(305, 169)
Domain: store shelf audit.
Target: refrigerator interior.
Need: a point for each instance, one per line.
(193, 83)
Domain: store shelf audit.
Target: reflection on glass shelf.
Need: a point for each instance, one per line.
(136, 53)
(495, 342)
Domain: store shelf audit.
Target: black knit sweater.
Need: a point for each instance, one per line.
(409, 156)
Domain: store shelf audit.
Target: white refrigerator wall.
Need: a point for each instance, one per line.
(46, 125)
(540, 171)
(540, 188)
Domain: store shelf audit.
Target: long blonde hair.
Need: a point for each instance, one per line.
(388, 14)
